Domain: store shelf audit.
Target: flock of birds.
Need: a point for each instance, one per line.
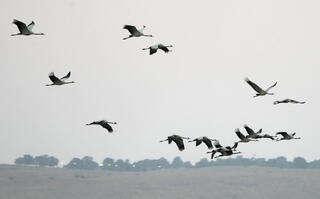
(177, 139)
(252, 136)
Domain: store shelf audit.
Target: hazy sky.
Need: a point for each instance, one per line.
(196, 90)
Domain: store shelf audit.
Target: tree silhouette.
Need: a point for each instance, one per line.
(300, 162)
(26, 159)
(45, 160)
(177, 162)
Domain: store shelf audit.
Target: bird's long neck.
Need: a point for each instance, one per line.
(128, 37)
(92, 123)
(69, 82)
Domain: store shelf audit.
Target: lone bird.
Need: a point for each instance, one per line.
(105, 124)
(153, 49)
(57, 81)
(286, 136)
(135, 32)
(177, 139)
(242, 137)
(260, 91)
(205, 140)
(288, 101)
(256, 135)
(24, 29)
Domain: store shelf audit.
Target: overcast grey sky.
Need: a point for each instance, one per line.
(196, 90)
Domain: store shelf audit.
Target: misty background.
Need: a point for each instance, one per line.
(196, 90)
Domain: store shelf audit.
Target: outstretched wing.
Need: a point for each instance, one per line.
(208, 143)
(268, 136)
(271, 87)
(179, 143)
(235, 145)
(217, 144)
(164, 48)
(254, 86)
(259, 132)
(152, 51)
(31, 25)
(284, 134)
(131, 29)
(239, 134)
(66, 77)
(249, 130)
(54, 79)
(107, 126)
(198, 142)
(21, 26)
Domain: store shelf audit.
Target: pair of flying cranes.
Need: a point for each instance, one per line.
(252, 136)
(224, 151)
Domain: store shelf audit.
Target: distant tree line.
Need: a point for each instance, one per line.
(42, 160)
(110, 164)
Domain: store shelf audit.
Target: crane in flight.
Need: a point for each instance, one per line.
(256, 135)
(24, 29)
(286, 136)
(105, 124)
(134, 32)
(59, 81)
(153, 49)
(260, 91)
(177, 139)
(288, 101)
(205, 140)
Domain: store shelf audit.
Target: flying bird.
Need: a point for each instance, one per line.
(225, 151)
(56, 81)
(288, 101)
(205, 140)
(242, 137)
(24, 29)
(251, 133)
(134, 32)
(256, 135)
(153, 49)
(260, 91)
(105, 124)
(177, 139)
(286, 136)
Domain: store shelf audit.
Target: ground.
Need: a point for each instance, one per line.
(18, 182)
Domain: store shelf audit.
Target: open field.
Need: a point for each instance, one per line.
(215, 182)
